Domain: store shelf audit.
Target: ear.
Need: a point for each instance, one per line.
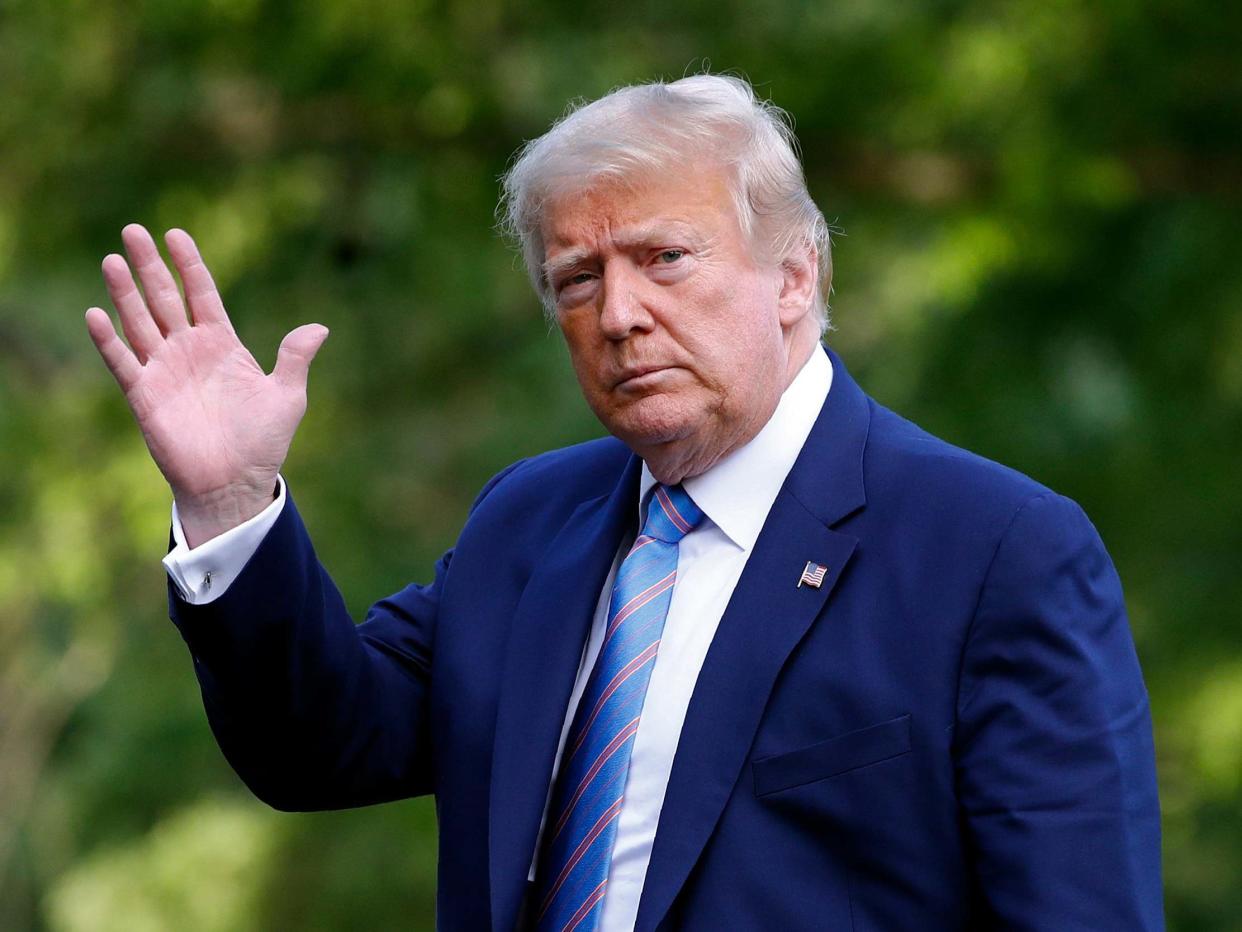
(799, 278)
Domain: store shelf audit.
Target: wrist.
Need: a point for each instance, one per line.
(208, 515)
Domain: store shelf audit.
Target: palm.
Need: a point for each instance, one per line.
(209, 414)
(217, 426)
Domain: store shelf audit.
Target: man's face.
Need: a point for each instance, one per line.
(675, 331)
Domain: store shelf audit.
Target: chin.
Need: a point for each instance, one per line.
(651, 422)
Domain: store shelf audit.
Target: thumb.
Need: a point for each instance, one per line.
(297, 350)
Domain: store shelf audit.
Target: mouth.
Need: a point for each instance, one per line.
(641, 377)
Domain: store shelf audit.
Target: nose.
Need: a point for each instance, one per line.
(625, 300)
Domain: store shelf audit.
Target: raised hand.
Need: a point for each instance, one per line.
(217, 426)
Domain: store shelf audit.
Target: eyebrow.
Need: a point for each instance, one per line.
(635, 236)
(563, 263)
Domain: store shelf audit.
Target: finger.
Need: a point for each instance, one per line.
(296, 352)
(200, 290)
(140, 329)
(158, 285)
(118, 357)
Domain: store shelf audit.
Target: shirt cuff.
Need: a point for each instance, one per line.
(204, 573)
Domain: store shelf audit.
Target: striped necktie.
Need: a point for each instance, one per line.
(590, 788)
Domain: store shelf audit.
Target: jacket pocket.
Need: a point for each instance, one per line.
(832, 757)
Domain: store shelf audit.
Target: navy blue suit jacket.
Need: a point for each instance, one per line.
(952, 732)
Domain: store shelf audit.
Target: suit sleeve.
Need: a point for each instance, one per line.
(312, 711)
(1053, 744)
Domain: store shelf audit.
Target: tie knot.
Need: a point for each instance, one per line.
(671, 515)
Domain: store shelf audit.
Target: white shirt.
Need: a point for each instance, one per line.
(735, 496)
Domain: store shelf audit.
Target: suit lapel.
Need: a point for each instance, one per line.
(549, 629)
(767, 616)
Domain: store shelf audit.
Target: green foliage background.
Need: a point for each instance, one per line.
(1040, 201)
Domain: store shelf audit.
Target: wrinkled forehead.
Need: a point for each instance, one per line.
(675, 195)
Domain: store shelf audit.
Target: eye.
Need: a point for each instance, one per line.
(578, 278)
(669, 256)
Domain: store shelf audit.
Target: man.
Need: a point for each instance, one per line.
(770, 657)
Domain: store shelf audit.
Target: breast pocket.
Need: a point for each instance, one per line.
(832, 757)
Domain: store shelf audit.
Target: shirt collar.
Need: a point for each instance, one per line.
(737, 493)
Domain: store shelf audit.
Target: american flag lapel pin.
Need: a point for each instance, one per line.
(812, 575)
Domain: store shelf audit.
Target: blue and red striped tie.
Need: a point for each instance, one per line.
(590, 788)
